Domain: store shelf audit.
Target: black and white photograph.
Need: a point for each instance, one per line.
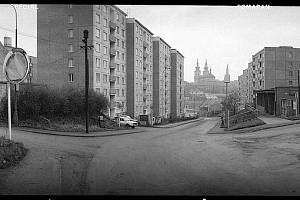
(149, 100)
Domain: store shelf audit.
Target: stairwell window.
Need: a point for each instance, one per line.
(71, 77)
(98, 77)
(70, 62)
(70, 19)
(290, 82)
(71, 48)
(70, 33)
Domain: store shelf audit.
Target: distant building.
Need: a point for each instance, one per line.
(161, 78)
(271, 74)
(61, 60)
(177, 84)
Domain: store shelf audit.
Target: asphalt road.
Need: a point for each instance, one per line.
(183, 160)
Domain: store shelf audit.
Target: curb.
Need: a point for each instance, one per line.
(250, 129)
(79, 134)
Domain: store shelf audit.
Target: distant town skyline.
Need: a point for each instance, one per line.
(221, 34)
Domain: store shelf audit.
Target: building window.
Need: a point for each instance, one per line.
(71, 77)
(104, 36)
(123, 80)
(118, 67)
(290, 82)
(260, 82)
(253, 84)
(70, 19)
(118, 17)
(123, 93)
(70, 33)
(98, 77)
(123, 68)
(70, 62)
(98, 90)
(118, 29)
(123, 32)
(123, 56)
(105, 22)
(123, 44)
(71, 48)
(97, 62)
(105, 92)
(98, 18)
(104, 78)
(104, 50)
(290, 73)
(118, 42)
(253, 75)
(137, 40)
(97, 32)
(118, 55)
(118, 92)
(253, 67)
(118, 80)
(123, 20)
(105, 64)
(97, 47)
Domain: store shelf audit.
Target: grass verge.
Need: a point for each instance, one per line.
(11, 153)
(247, 124)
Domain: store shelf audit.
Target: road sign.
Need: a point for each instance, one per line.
(16, 65)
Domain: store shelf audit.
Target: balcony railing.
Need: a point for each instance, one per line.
(112, 52)
(145, 44)
(112, 78)
(112, 91)
(112, 38)
(112, 25)
(145, 55)
(112, 65)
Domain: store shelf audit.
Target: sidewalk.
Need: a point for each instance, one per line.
(271, 122)
(105, 133)
(171, 125)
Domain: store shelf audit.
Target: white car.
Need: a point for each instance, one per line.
(125, 121)
(127, 116)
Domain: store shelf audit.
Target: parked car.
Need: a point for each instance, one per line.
(125, 121)
(127, 116)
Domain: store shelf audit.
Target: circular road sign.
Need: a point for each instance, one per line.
(16, 65)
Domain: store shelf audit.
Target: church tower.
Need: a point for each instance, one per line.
(197, 73)
(205, 71)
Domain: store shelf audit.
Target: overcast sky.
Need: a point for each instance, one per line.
(222, 35)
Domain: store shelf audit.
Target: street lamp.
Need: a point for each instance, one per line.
(226, 81)
(16, 84)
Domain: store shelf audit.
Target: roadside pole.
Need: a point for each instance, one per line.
(9, 109)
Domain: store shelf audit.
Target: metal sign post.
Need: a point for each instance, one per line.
(15, 68)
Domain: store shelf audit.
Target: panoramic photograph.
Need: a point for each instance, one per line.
(149, 100)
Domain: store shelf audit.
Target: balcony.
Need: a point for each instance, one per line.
(112, 25)
(112, 91)
(146, 66)
(112, 65)
(112, 38)
(144, 99)
(145, 54)
(145, 44)
(112, 78)
(112, 52)
(113, 104)
(144, 87)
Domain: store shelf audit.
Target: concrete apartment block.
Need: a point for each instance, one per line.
(139, 69)
(61, 60)
(270, 68)
(161, 78)
(177, 84)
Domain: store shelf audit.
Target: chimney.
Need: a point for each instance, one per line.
(7, 41)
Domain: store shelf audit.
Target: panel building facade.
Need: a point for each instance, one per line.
(61, 60)
(139, 69)
(270, 69)
(177, 84)
(161, 78)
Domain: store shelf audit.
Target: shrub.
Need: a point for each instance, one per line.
(35, 103)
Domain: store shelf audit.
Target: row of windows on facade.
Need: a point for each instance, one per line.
(141, 98)
(98, 79)
(139, 42)
(105, 64)
(118, 16)
(143, 33)
(97, 33)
